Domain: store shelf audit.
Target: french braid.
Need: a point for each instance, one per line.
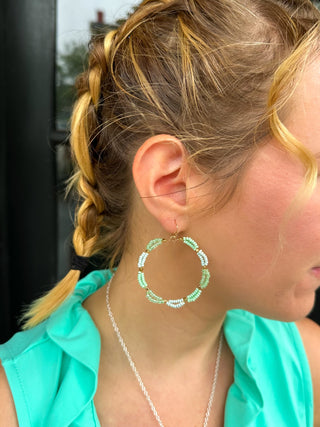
(90, 215)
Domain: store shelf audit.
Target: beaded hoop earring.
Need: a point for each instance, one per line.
(174, 303)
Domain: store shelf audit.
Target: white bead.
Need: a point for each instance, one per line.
(203, 258)
(175, 303)
(142, 259)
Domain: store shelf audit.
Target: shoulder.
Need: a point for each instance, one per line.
(43, 366)
(310, 334)
(40, 367)
(283, 356)
(271, 370)
(26, 371)
(8, 414)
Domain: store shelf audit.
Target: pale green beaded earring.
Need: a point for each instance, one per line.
(174, 303)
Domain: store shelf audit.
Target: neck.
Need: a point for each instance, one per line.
(152, 330)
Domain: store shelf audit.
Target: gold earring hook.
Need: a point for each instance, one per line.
(174, 236)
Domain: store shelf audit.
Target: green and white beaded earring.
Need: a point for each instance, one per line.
(174, 303)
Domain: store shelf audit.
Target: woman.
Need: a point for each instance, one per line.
(195, 137)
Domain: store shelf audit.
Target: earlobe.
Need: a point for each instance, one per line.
(160, 172)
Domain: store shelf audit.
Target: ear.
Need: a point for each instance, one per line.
(161, 173)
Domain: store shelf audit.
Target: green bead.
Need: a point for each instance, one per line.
(142, 280)
(153, 244)
(191, 243)
(205, 278)
(154, 298)
(194, 295)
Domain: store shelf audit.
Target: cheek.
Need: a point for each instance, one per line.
(248, 233)
(257, 225)
(302, 234)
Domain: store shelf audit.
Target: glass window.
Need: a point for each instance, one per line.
(76, 22)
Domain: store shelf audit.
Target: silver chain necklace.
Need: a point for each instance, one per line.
(138, 377)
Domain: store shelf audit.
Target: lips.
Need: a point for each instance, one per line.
(316, 271)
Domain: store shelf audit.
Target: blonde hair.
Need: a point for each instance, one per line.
(213, 73)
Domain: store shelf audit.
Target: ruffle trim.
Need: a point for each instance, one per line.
(244, 401)
(72, 329)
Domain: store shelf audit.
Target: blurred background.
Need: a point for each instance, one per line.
(43, 48)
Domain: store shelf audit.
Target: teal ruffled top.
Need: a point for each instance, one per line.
(52, 369)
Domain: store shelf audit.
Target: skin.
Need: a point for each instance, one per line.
(251, 269)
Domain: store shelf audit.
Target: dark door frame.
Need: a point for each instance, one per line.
(28, 203)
